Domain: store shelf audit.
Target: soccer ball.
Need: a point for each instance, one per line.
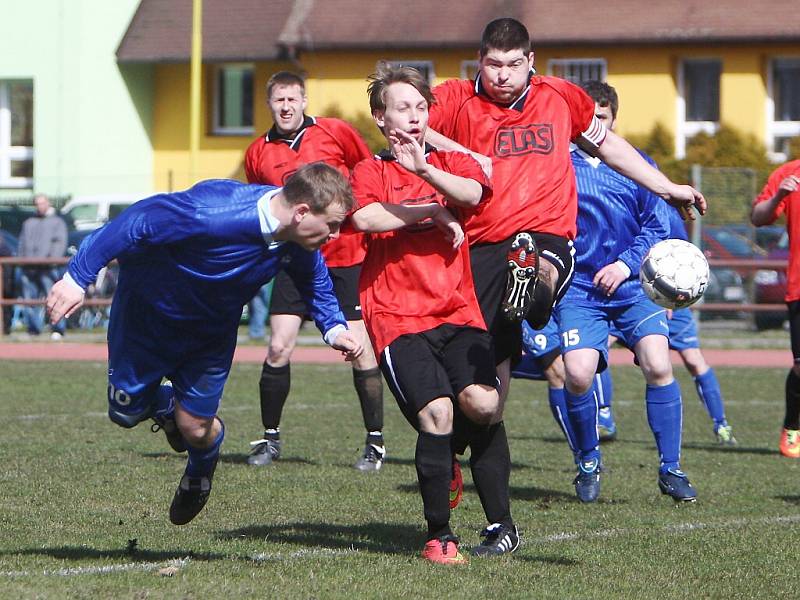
(674, 274)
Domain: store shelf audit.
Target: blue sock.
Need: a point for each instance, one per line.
(558, 406)
(665, 417)
(605, 388)
(165, 402)
(202, 460)
(711, 396)
(582, 411)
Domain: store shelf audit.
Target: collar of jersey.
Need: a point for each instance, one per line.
(517, 105)
(385, 154)
(274, 136)
(592, 160)
(269, 223)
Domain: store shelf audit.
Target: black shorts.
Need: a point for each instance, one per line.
(794, 329)
(490, 273)
(286, 298)
(436, 363)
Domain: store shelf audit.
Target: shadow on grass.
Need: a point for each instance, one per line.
(409, 462)
(385, 538)
(711, 447)
(532, 494)
(84, 552)
(790, 499)
(233, 459)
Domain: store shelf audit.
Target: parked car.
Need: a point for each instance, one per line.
(12, 216)
(770, 288)
(766, 237)
(91, 212)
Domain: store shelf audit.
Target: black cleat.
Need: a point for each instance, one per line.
(587, 482)
(372, 460)
(523, 273)
(190, 498)
(497, 539)
(170, 429)
(675, 484)
(264, 452)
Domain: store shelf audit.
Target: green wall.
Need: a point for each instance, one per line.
(92, 117)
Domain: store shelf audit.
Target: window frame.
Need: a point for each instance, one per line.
(216, 128)
(686, 130)
(777, 129)
(567, 63)
(9, 153)
(416, 64)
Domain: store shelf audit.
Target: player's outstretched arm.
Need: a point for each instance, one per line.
(379, 217)
(349, 344)
(623, 158)
(64, 299)
(765, 213)
(442, 142)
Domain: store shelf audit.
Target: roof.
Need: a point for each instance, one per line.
(160, 31)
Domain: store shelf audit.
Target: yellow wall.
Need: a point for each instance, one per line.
(645, 78)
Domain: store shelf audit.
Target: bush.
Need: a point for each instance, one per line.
(363, 122)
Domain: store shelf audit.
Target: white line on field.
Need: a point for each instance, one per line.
(100, 570)
(566, 536)
(263, 557)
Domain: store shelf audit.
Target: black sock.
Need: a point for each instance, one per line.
(463, 431)
(792, 418)
(274, 389)
(542, 307)
(490, 463)
(369, 387)
(434, 469)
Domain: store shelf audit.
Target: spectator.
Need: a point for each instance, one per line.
(43, 236)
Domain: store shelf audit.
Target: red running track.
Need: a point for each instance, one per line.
(65, 351)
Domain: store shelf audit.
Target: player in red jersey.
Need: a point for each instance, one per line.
(520, 126)
(781, 196)
(294, 140)
(421, 311)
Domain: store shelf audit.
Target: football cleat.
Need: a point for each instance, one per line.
(444, 551)
(170, 428)
(587, 482)
(497, 539)
(372, 460)
(675, 484)
(456, 485)
(606, 427)
(264, 452)
(523, 272)
(790, 443)
(724, 435)
(190, 497)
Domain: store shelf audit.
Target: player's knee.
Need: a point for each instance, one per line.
(279, 353)
(658, 372)
(196, 431)
(480, 404)
(437, 416)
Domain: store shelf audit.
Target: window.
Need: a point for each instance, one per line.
(783, 109)
(233, 100)
(423, 66)
(578, 70)
(16, 134)
(698, 100)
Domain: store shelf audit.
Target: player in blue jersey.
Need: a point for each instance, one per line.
(189, 262)
(618, 222)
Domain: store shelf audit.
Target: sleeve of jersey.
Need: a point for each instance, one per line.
(581, 109)
(654, 227)
(310, 274)
(366, 184)
(770, 188)
(154, 221)
(463, 165)
(442, 112)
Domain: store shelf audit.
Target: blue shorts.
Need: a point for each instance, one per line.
(683, 330)
(585, 325)
(144, 347)
(540, 347)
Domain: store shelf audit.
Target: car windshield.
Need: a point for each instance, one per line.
(734, 243)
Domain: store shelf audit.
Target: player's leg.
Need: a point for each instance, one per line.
(556, 267)
(366, 374)
(790, 435)
(604, 390)
(420, 386)
(523, 272)
(645, 329)
(287, 310)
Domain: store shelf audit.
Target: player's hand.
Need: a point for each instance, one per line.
(63, 300)
(407, 150)
(349, 344)
(484, 161)
(685, 198)
(450, 226)
(788, 185)
(609, 278)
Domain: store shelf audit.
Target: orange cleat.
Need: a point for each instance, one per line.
(443, 551)
(790, 443)
(456, 485)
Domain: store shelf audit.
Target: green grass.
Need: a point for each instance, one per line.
(77, 493)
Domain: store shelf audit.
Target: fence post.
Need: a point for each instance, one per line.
(697, 230)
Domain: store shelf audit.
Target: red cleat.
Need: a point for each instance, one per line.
(443, 551)
(456, 485)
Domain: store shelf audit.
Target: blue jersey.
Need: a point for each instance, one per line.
(198, 256)
(617, 220)
(677, 226)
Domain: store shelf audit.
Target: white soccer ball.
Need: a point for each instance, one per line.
(674, 274)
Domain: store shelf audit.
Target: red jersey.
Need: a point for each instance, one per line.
(528, 141)
(412, 279)
(790, 206)
(272, 159)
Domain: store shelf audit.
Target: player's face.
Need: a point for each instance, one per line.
(406, 109)
(605, 116)
(287, 104)
(313, 230)
(505, 74)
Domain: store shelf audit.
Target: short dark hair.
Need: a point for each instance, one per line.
(505, 34)
(319, 185)
(603, 94)
(386, 74)
(285, 78)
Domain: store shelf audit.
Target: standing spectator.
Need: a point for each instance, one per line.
(296, 139)
(781, 196)
(42, 236)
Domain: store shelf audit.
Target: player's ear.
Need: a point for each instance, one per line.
(300, 211)
(305, 102)
(530, 59)
(378, 116)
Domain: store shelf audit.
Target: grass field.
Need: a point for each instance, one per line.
(83, 504)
